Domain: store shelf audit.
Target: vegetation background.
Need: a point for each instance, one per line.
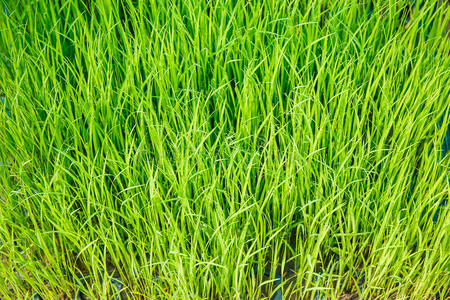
(224, 149)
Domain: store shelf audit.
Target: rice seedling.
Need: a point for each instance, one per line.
(224, 149)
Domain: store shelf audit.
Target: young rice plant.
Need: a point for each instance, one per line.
(232, 149)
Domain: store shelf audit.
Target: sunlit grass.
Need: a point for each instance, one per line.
(224, 149)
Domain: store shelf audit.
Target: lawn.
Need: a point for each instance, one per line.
(229, 149)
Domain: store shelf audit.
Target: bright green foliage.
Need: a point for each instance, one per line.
(187, 146)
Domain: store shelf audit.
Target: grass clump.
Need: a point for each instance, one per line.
(224, 149)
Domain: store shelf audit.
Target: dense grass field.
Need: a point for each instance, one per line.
(229, 149)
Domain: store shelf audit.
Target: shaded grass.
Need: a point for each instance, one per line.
(182, 143)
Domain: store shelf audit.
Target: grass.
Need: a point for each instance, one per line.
(224, 149)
